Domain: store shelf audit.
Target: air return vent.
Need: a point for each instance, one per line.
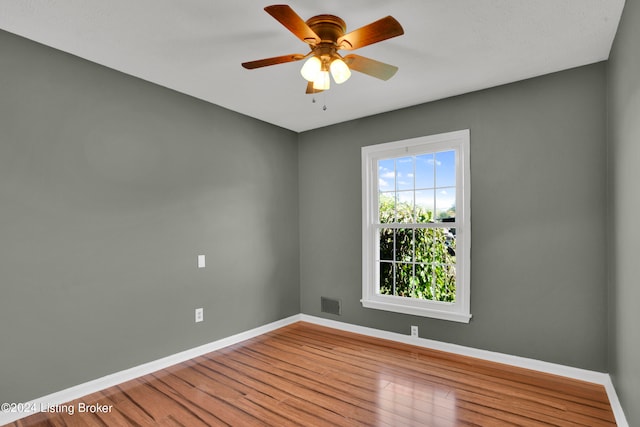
(329, 305)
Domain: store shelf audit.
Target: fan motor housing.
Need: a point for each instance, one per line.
(328, 27)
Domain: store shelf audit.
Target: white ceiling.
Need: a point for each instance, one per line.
(195, 47)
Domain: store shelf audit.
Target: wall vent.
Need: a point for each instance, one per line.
(329, 305)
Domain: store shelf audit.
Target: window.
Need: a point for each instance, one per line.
(416, 235)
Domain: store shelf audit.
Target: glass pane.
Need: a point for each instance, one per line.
(445, 203)
(450, 239)
(443, 248)
(445, 283)
(404, 173)
(404, 245)
(446, 169)
(404, 279)
(386, 175)
(423, 288)
(404, 206)
(424, 242)
(386, 243)
(424, 206)
(386, 207)
(424, 171)
(386, 278)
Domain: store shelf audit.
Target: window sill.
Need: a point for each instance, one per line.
(417, 311)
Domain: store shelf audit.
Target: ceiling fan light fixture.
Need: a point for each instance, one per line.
(326, 35)
(322, 82)
(311, 69)
(340, 71)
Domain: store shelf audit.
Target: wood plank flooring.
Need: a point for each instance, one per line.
(309, 375)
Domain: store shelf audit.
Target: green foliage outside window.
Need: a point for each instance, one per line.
(416, 262)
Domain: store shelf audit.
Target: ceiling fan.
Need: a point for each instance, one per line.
(325, 35)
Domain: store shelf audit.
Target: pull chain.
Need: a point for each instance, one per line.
(324, 96)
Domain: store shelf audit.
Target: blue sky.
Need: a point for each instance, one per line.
(424, 179)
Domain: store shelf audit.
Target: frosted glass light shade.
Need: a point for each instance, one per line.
(340, 71)
(323, 81)
(311, 69)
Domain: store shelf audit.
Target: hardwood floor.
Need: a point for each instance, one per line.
(310, 375)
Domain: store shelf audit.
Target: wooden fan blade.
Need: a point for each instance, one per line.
(311, 90)
(375, 32)
(272, 61)
(371, 67)
(287, 17)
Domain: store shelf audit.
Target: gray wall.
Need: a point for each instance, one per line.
(538, 179)
(109, 189)
(624, 202)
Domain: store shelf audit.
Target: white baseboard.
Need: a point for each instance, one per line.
(618, 412)
(77, 392)
(521, 362)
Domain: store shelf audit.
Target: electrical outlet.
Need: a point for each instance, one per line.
(199, 314)
(414, 331)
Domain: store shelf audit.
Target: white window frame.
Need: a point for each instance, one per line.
(459, 310)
